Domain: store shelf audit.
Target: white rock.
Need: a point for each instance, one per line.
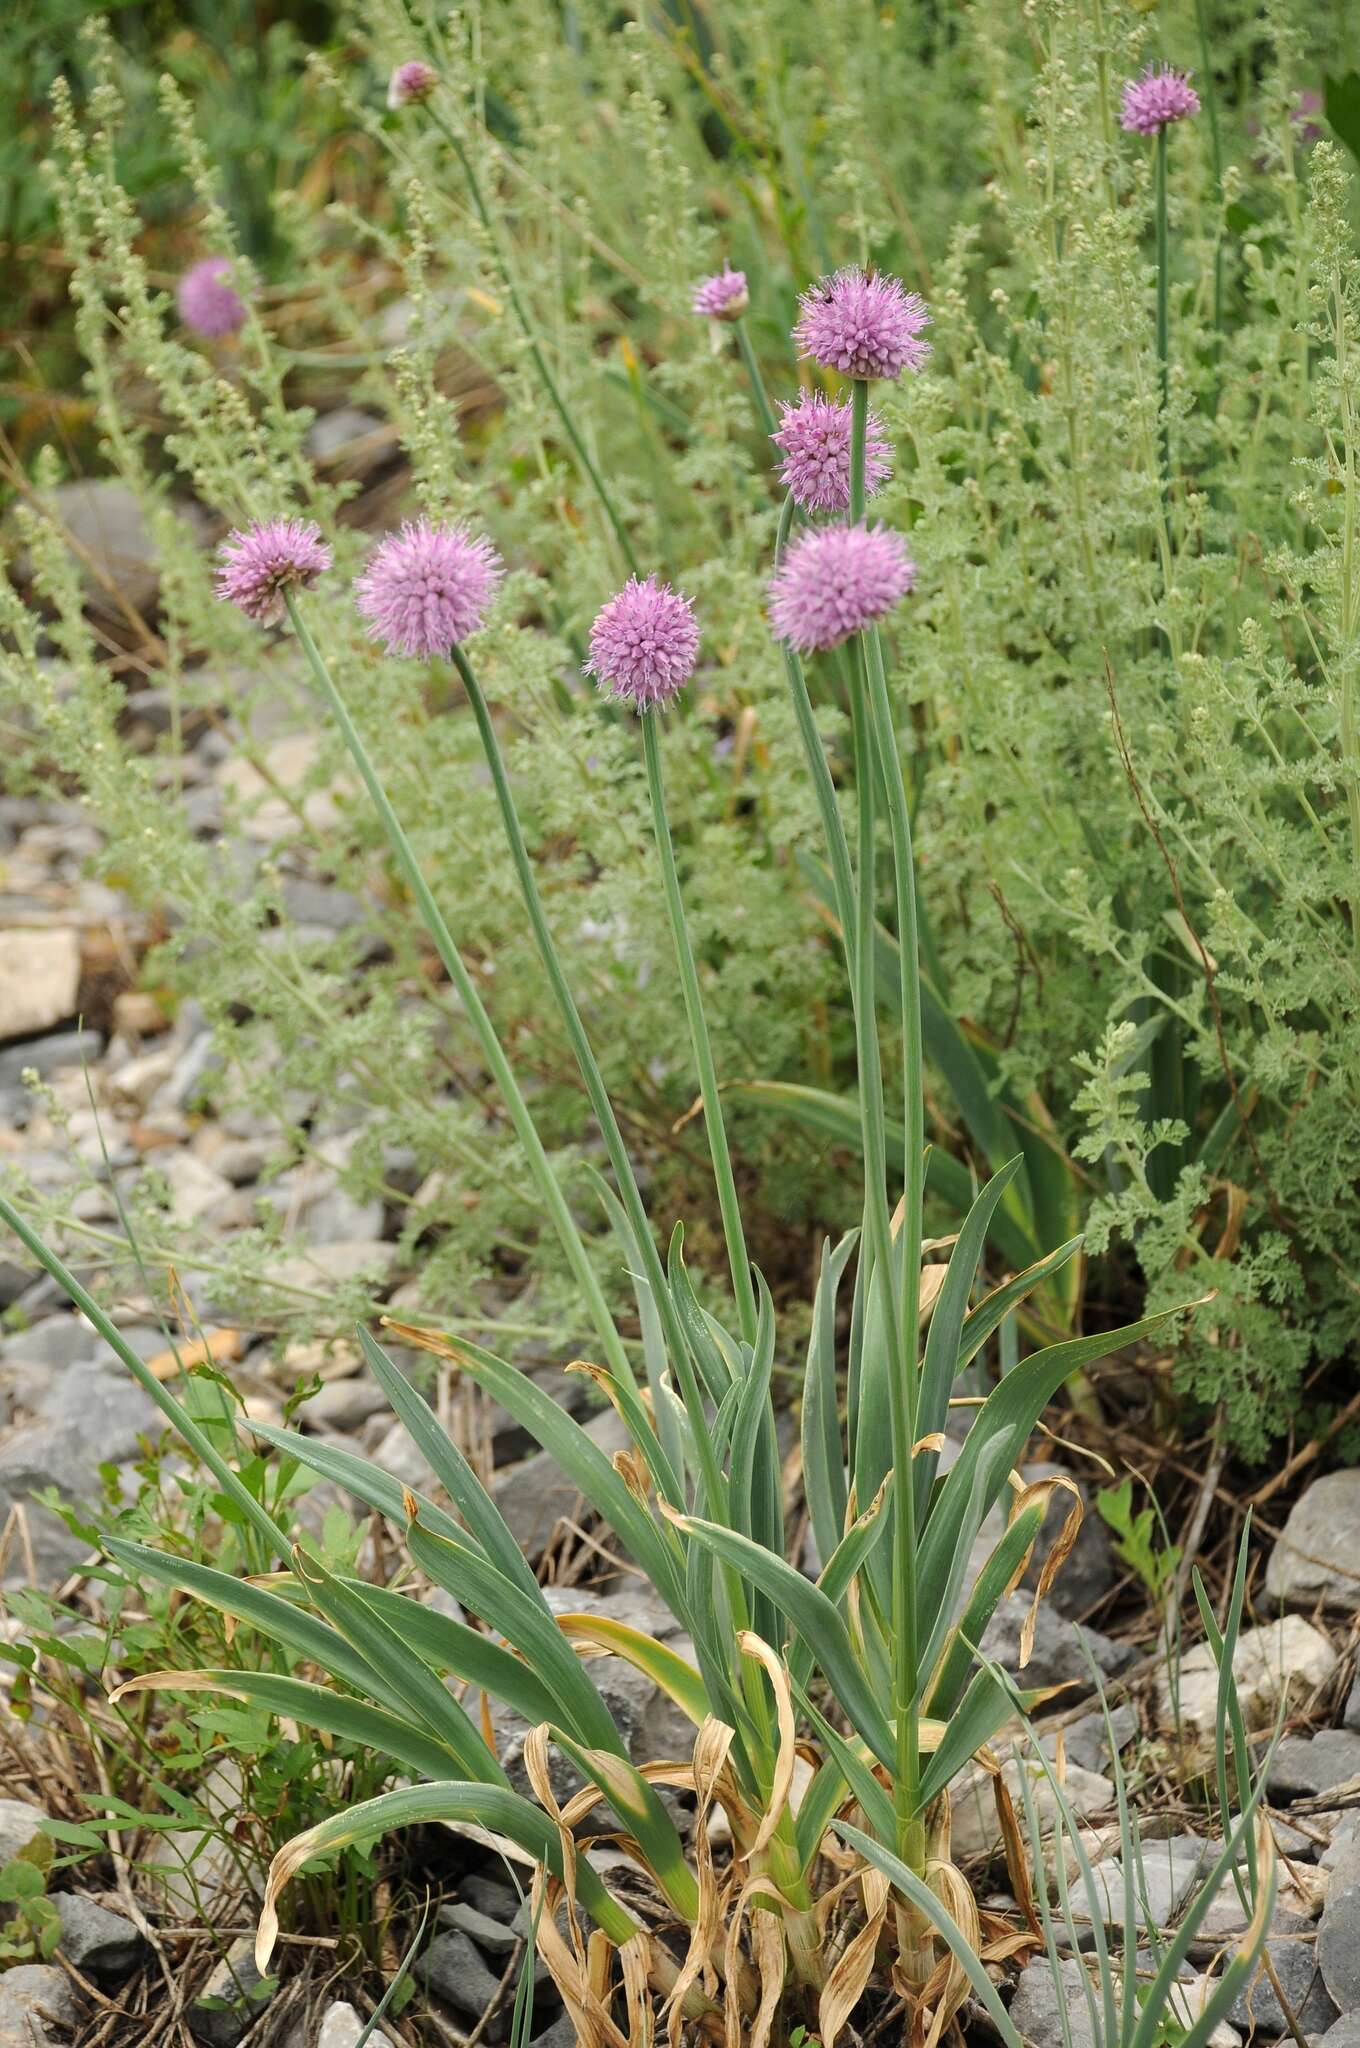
(39, 980)
(976, 1831)
(195, 1189)
(1288, 1658)
(1317, 1558)
(341, 2027)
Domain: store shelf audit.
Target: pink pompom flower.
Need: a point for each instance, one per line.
(259, 563)
(814, 439)
(723, 296)
(1155, 100)
(427, 588)
(644, 644)
(412, 81)
(862, 325)
(836, 580)
(208, 302)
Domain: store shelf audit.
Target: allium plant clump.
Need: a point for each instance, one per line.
(1125, 691)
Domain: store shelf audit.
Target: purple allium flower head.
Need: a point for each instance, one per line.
(644, 643)
(814, 437)
(723, 296)
(836, 580)
(411, 81)
(863, 326)
(260, 563)
(1155, 100)
(207, 300)
(427, 588)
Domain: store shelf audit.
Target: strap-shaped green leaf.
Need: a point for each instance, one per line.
(467, 1653)
(526, 1623)
(360, 1476)
(297, 1629)
(449, 1466)
(316, 1706)
(813, 1615)
(993, 1309)
(823, 1456)
(1006, 1418)
(988, 1587)
(581, 1458)
(643, 1816)
(424, 1695)
(940, 1362)
(468, 1805)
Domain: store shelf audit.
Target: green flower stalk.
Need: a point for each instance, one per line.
(1151, 104)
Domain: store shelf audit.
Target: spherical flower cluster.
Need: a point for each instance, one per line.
(427, 588)
(260, 563)
(814, 438)
(722, 297)
(644, 643)
(411, 81)
(1155, 100)
(863, 326)
(835, 581)
(207, 300)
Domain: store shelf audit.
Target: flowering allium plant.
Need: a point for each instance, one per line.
(428, 588)
(208, 301)
(814, 438)
(723, 296)
(410, 82)
(863, 326)
(261, 563)
(644, 643)
(837, 581)
(1157, 99)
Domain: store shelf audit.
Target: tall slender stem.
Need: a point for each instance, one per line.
(768, 421)
(838, 851)
(1163, 305)
(728, 1204)
(540, 361)
(585, 1059)
(492, 1051)
(859, 427)
(874, 732)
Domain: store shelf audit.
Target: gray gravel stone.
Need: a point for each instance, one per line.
(21, 1832)
(232, 1999)
(453, 1970)
(341, 2027)
(1296, 1963)
(30, 1994)
(1307, 1766)
(1317, 1557)
(1350, 1717)
(1339, 1930)
(1056, 1657)
(1345, 2033)
(100, 1944)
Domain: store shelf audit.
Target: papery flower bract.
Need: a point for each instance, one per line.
(208, 301)
(835, 581)
(644, 643)
(814, 438)
(427, 588)
(411, 81)
(863, 326)
(723, 296)
(259, 563)
(1155, 100)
